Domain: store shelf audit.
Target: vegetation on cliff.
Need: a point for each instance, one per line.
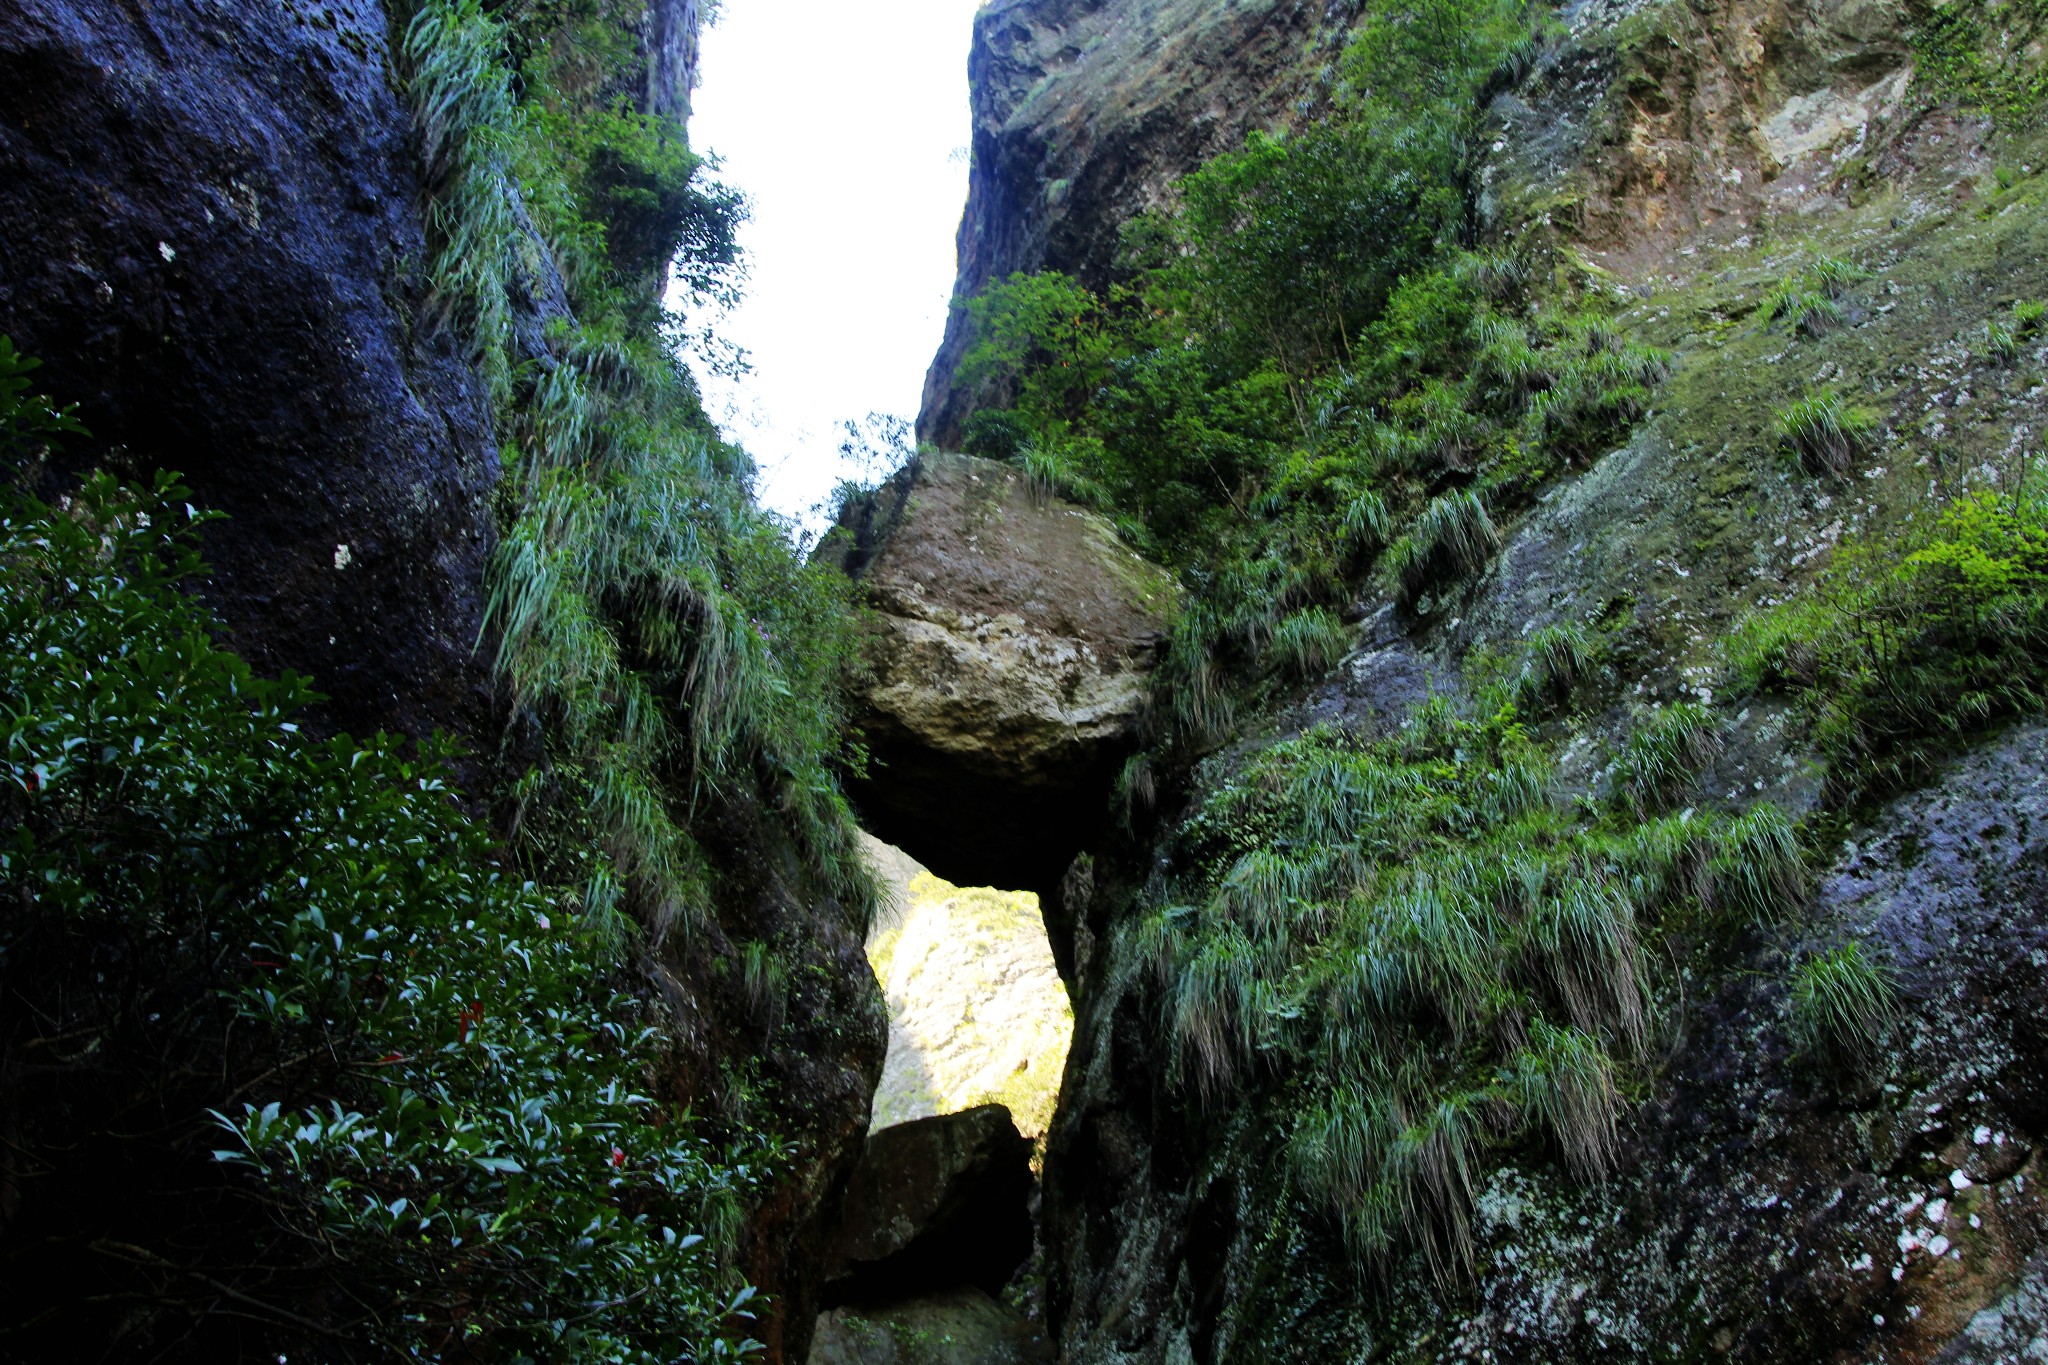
(427, 1061)
(646, 610)
(1412, 955)
(447, 1120)
(1314, 371)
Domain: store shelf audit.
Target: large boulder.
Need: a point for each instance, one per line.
(1016, 638)
(958, 1327)
(934, 1204)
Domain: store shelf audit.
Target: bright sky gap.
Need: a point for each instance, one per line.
(847, 128)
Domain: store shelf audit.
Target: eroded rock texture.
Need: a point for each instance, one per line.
(977, 1011)
(1017, 634)
(214, 241)
(959, 1327)
(1085, 111)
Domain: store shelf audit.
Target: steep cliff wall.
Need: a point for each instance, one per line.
(1674, 166)
(219, 229)
(1085, 111)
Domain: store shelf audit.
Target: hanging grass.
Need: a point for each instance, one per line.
(1665, 755)
(1452, 538)
(1555, 660)
(1842, 1004)
(1308, 644)
(641, 603)
(1826, 433)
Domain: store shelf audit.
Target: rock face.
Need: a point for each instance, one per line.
(1768, 1210)
(959, 1327)
(1016, 638)
(211, 232)
(977, 1011)
(935, 1223)
(1086, 111)
(933, 1205)
(1675, 162)
(214, 241)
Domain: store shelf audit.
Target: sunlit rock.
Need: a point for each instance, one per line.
(977, 1011)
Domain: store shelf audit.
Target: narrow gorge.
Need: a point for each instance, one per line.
(1440, 753)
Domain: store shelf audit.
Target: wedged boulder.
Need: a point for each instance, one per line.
(959, 1327)
(1015, 641)
(934, 1204)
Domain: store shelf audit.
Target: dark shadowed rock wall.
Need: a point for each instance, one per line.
(212, 231)
(213, 237)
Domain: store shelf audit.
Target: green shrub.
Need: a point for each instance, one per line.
(1842, 1003)
(427, 1080)
(1905, 645)
(1827, 434)
(2028, 318)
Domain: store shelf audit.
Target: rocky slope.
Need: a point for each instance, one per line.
(1677, 161)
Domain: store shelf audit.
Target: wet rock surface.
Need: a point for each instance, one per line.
(934, 1204)
(1017, 636)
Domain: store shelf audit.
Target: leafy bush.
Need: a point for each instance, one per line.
(1842, 1003)
(436, 1093)
(1827, 434)
(1906, 644)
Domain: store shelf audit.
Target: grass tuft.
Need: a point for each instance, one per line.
(1757, 866)
(1452, 538)
(1307, 644)
(1665, 756)
(1556, 659)
(1827, 434)
(1842, 1003)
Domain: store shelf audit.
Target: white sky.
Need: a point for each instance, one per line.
(847, 126)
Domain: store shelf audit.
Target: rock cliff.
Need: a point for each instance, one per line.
(1679, 163)
(215, 227)
(1085, 111)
